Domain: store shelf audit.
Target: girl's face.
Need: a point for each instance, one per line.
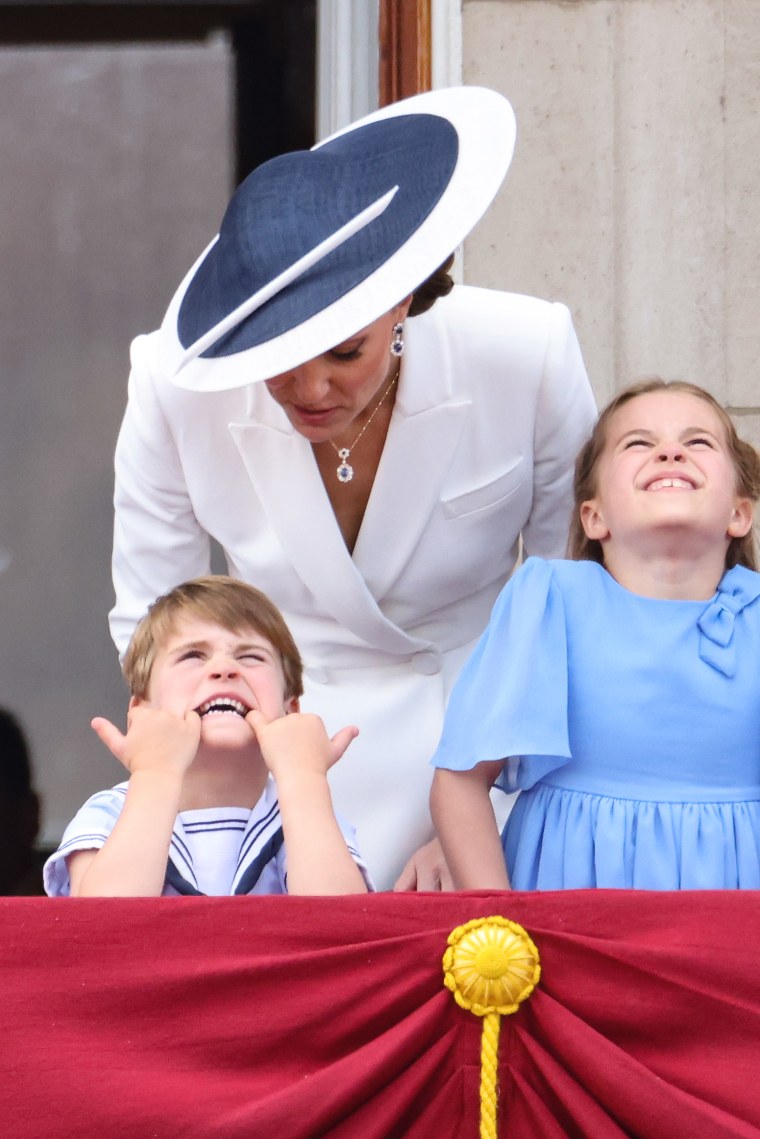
(324, 396)
(665, 470)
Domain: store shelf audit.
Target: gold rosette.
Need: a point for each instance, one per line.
(491, 966)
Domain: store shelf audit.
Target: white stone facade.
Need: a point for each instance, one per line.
(633, 195)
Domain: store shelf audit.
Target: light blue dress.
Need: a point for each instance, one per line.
(632, 726)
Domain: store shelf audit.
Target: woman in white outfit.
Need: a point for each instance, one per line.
(379, 480)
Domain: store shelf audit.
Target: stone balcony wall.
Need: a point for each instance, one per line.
(634, 191)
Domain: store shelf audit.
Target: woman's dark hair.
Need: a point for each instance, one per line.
(438, 284)
(741, 551)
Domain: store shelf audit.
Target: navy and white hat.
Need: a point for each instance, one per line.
(317, 244)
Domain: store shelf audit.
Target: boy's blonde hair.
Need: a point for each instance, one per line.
(741, 551)
(224, 601)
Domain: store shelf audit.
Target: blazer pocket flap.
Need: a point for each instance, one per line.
(490, 495)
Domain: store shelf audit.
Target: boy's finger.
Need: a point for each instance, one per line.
(256, 720)
(108, 734)
(343, 738)
(192, 717)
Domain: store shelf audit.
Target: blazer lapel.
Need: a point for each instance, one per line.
(286, 479)
(427, 421)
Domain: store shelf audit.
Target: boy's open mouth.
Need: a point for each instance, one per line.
(223, 705)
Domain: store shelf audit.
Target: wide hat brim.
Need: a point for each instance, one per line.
(429, 166)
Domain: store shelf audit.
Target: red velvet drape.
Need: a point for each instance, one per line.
(293, 1018)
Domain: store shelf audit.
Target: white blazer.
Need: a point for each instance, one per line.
(493, 403)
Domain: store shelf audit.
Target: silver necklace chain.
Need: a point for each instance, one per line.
(344, 470)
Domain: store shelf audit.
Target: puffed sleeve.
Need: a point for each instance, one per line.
(157, 538)
(510, 701)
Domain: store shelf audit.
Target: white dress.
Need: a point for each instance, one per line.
(492, 406)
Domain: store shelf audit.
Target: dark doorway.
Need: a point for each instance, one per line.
(125, 128)
(273, 43)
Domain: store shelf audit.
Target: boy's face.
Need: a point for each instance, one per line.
(221, 675)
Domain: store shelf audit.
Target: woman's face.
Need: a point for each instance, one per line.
(324, 396)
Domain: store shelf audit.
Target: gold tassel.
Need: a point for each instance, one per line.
(491, 966)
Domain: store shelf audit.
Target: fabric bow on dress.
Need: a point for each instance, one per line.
(717, 646)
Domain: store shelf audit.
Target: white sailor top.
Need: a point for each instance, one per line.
(215, 851)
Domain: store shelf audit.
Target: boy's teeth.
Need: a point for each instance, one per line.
(223, 704)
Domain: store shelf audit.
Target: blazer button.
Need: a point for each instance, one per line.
(427, 663)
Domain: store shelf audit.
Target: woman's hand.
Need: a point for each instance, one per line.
(425, 870)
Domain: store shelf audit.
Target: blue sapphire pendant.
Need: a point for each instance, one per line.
(344, 471)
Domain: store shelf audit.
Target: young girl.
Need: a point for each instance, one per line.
(621, 691)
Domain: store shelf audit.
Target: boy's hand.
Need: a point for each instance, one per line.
(155, 740)
(298, 742)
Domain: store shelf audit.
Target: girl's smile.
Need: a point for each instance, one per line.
(669, 482)
(666, 489)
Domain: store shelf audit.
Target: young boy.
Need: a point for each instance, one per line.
(228, 788)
